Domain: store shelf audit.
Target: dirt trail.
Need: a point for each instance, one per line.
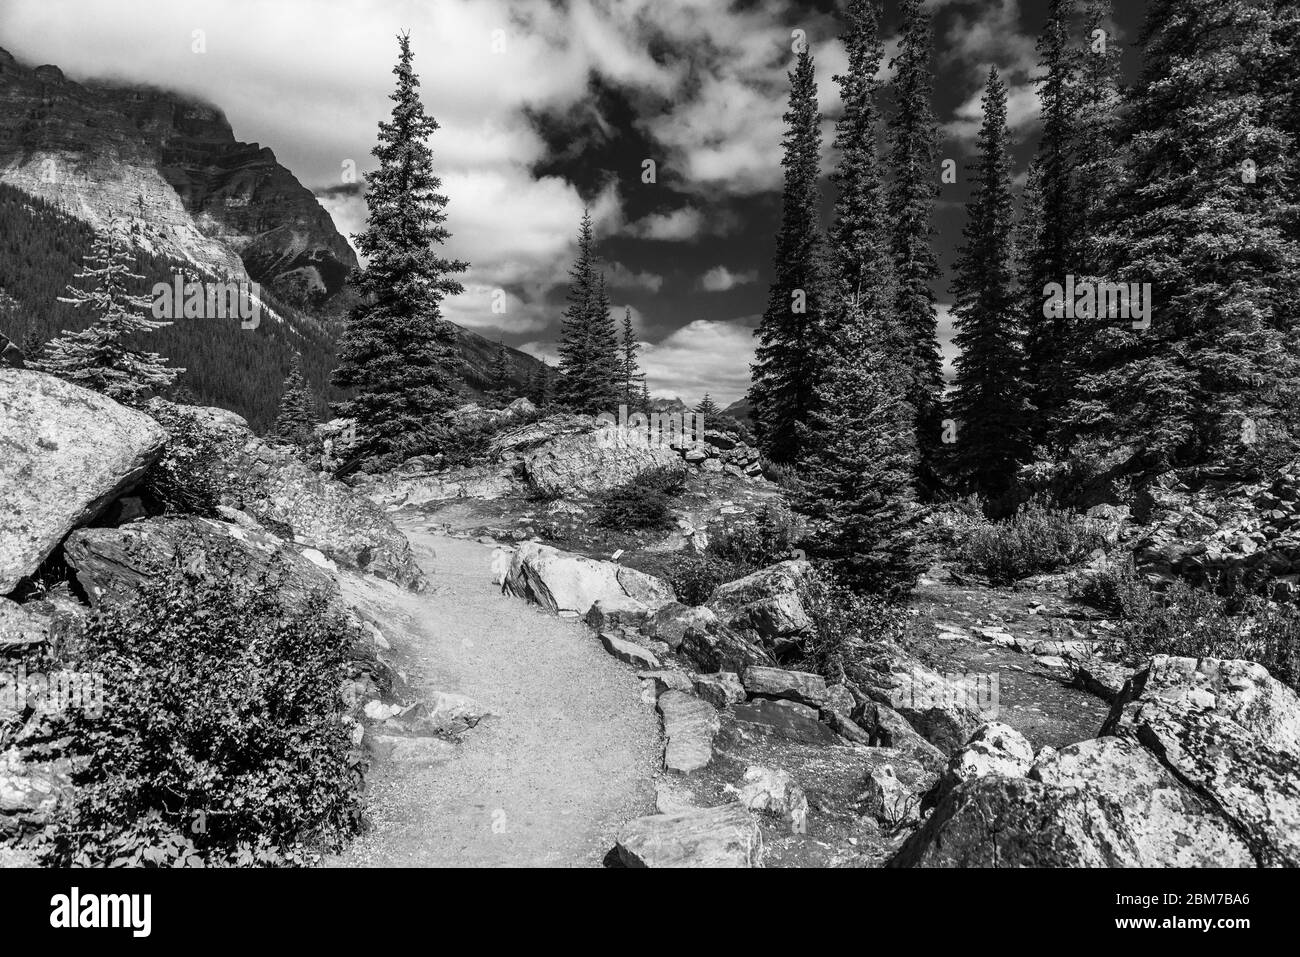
(570, 755)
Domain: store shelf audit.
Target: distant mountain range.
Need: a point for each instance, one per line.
(193, 196)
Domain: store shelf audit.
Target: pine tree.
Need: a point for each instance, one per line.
(396, 351)
(630, 374)
(989, 402)
(860, 259)
(296, 419)
(856, 481)
(589, 365)
(1207, 231)
(913, 134)
(1052, 200)
(540, 393)
(784, 372)
(100, 357)
(501, 390)
(708, 407)
(646, 406)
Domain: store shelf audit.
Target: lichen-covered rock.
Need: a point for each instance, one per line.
(801, 686)
(562, 582)
(726, 836)
(765, 607)
(65, 454)
(993, 749)
(596, 461)
(689, 727)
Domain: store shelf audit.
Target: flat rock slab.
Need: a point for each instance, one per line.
(726, 836)
(628, 652)
(801, 686)
(689, 725)
(65, 454)
(784, 719)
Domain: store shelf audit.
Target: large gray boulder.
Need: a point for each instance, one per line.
(596, 461)
(564, 583)
(65, 454)
(271, 484)
(726, 836)
(765, 606)
(1231, 733)
(690, 725)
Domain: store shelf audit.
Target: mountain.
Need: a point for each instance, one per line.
(172, 167)
(742, 410)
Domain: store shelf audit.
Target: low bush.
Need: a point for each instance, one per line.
(188, 478)
(642, 504)
(1036, 539)
(696, 577)
(220, 740)
(845, 626)
(770, 535)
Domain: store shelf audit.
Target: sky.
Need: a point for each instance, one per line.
(547, 108)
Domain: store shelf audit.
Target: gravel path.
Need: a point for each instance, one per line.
(570, 756)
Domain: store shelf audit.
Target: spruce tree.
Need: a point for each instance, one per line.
(913, 134)
(501, 388)
(708, 407)
(296, 419)
(396, 351)
(989, 402)
(1052, 200)
(540, 393)
(630, 374)
(1207, 231)
(784, 372)
(856, 480)
(589, 363)
(100, 357)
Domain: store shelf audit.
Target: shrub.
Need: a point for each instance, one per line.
(220, 740)
(644, 503)
(1036, 539)
(845, 626)
(770, 535)
(696, 577)
(189, 477)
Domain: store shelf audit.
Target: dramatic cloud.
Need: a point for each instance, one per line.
(703, 356)
(681, 224)
(720, 279)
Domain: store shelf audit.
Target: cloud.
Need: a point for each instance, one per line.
(680, 224)
(619, 276)
(720, 279)
(1024, 109)
(703, 356)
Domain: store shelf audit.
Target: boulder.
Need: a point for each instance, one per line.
(10, 354)
(801, 686)
(20, 628)
(892, 793)
(596, 461)
(270, 484)
(65, 454)
(773, 792)
(115, 561)
(887, 728)
(1169, 824)
(689, 727)
(945, 710)
(673, 621)
(617, 611)
(1231, 733)
(993, 749)
(30, 793)
(765, 606)
(726, 836)
(561, 582)
(721, 689)
(784, 719)
(628, 652)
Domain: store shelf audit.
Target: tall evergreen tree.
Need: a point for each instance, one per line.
(630, 374)
(989, 402)
(860, 259)
(784, 372)
(708, 407)
(589, 364)
(296, 418)
(396, 351)
(856, 480)
(1207, 232)
(501, 390)
(540, 393)
(913, 134)
(100, 356)
(1052, 201)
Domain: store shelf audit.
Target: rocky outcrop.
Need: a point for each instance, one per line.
(270, 484)
(765, 607)
(112, 562)
(596, 461)
(994, 749)
(800, 686)
(65, 454)
(1231, 733)
(726, 836)
(10, 355)
(571, 584)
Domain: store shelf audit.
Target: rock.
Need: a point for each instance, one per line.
(1169, 824)
(720, 649)
(650, 591)
(30, 792)
(765, 606)
(1101, 678)
(561, 582)
(721, 689)
(1018, 822)
(596, 461)
(671, 622)
(628, 652)
(689, 727)
(893, 803)
(270, 484)
(945, 710)
(839, 698)
(801, 686)
(993, 749)
(1230, 732)
(726, 836)
(887, 728)
(20, 628)
(785, 719)
(409, 750)
(773, 792)
(115, 561)
(65, 454)
(616, 611)
(845, 727)
(10, 354)
(665, 680)
(444, 713)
